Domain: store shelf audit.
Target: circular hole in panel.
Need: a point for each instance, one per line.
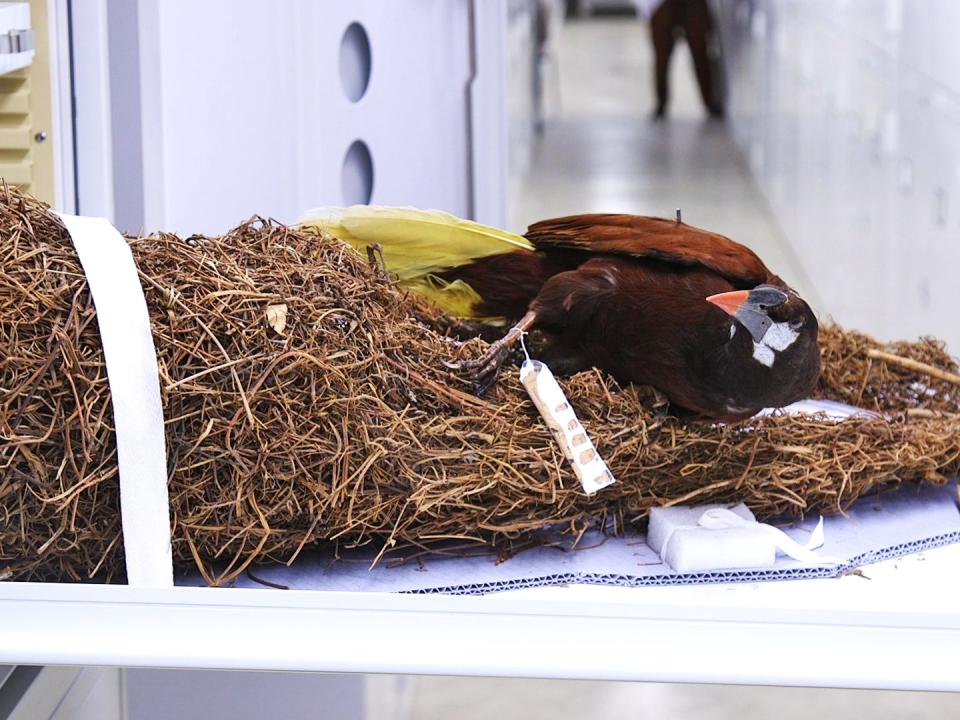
(356, 177)
(355, 61)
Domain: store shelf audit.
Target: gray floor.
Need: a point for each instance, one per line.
(445, 698)
(600, 152)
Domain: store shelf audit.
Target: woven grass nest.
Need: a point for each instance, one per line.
(345, 427)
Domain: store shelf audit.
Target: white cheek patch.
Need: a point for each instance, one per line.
(733, 330)
(763, 354)
(780, 336)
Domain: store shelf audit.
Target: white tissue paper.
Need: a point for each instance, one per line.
(717, 537)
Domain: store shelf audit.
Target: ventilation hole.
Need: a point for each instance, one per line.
(356, 177)
(355, 61)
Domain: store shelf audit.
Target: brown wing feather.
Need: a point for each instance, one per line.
(649, 237)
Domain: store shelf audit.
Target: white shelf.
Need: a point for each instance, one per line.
(899, 629)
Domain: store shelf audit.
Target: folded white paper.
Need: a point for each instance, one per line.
(131, 361)
(715, 537)
(665, 521)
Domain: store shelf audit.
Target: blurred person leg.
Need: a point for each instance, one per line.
(700, 30)
(663, 28)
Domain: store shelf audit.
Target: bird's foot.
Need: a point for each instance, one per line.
(483, 371)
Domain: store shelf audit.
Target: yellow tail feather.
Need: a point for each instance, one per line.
(417, 244)
(457, 299)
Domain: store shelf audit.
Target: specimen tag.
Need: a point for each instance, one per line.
(557, 412)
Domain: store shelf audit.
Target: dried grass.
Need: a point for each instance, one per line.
(347, 427)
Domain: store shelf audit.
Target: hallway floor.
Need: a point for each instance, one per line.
(601, 152)
(513, 699)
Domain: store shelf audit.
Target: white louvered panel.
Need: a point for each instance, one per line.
(15, 138)
(15, 102)
(16, 161)
(18, 173)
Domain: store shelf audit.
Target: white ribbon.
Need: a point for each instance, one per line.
(131, 361)
(721, 518)
(718, 518)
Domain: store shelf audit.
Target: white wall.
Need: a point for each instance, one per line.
(521, 87)
(849, 112)
(532, 88)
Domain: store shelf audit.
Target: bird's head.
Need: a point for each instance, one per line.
(773, 316)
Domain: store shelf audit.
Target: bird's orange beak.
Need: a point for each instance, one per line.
(729, 302)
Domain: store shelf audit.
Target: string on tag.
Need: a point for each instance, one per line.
(523, 345)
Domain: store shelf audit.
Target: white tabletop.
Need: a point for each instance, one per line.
(897, 626)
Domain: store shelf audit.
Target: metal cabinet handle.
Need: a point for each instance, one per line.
(17, 41)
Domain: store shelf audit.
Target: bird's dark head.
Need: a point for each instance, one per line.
(775, 317)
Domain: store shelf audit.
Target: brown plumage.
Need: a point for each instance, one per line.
(629, 294)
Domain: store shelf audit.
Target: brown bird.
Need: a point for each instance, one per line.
(652, 301)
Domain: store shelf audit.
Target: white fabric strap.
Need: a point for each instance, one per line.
(131, 361)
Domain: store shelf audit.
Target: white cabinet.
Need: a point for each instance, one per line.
(225, 108)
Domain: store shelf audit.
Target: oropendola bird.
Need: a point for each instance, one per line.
(651, 301)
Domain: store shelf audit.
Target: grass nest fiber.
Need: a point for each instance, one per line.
(345, 427)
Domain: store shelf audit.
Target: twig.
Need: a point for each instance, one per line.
(915, 365)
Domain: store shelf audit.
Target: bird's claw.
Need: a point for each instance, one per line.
(483, 371)
(481, 387)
